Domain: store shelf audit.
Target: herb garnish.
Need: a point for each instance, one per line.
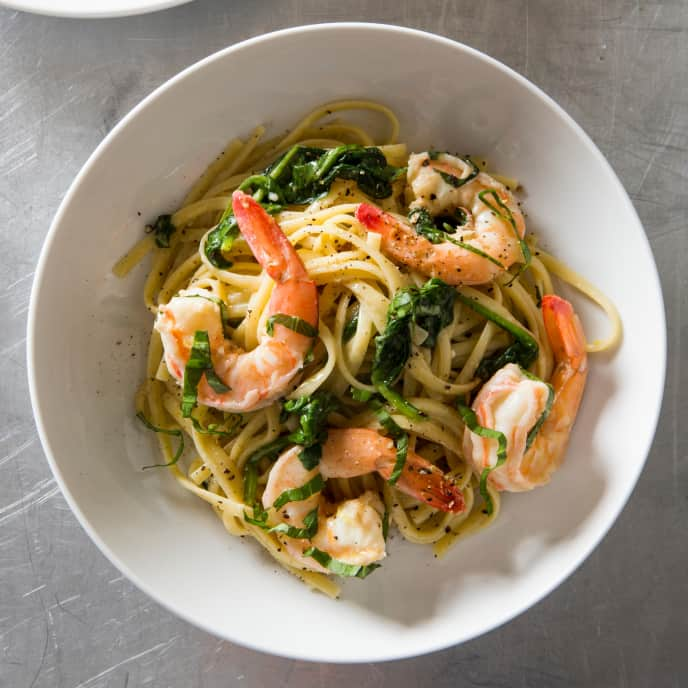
(293, 322)
(163, 229)
(165, 431)
(430, 308)
(339, 567)
(199, 363)
(301, 175)
(310, 522)
(351, 324)
(523, 351)
(424, 225)
(299, 494)
(471, 421)
(504, 212)
(393, 429)
(311, 433)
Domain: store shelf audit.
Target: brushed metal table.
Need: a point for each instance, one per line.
(68, 619)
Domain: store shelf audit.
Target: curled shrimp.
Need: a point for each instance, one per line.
(512, 403)
(485, 244)
(351, 531)
(258, 377)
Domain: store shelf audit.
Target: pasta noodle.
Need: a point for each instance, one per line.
(354, 276)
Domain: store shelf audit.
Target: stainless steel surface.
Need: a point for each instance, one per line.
(68, 619)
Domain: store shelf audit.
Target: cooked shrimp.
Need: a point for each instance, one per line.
(443, 185)
(351, 531)
(512, 403)
(258, 377)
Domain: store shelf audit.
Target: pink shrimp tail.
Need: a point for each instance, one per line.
(427, 483)
(266, 239)
(296, 293)
(564, 330)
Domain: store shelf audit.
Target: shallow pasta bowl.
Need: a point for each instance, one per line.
(88, 331)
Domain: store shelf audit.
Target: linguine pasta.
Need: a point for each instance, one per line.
(356, 283)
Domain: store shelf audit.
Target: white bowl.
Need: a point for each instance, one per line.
(89, 9)
(87, 334)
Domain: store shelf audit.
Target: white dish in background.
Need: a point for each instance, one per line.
(90, 9)
(82, 381)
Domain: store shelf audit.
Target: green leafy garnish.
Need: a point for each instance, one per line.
(429, 308)
(270, 451)
(504, 212)
(214, 428)
(163, 229)
(393, 429)
(455, 181)
(165, 431)
(259, 518)
(310, 522)
(401, 444)
(310, 433)
(339, 567)
(312, 430)
(221, 239)
(301, 175)
(199, 363)
(523, 351)
(351, 325)
(543, 416)
(299, 494)
(293, 322)
(385, 524)
(471, 421)
(311, 171)
(224, 313)
(424, 225)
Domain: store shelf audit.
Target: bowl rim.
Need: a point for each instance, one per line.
(438, 641)
(41, 8)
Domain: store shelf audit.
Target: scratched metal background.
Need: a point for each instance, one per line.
(69, 620)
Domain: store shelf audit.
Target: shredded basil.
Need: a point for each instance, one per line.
(221, 239)
(310, 433)
(310, 523)
(351, 325)
(312, 430)
(401, 444)
(301, 175)
(339, 567)
(393, 429)
(224, 313)
(163, 229)
(360, 394)
(199, 363)
(293, 322)
(471, 421)
(545, 413)
(271, 451)
(424, 225)
(259, 518)
(504, 212)
(385, 524)
(299, 494)
(429, 307)
(523, 351)
(165, 431)
(455, 181)
(214, 428)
